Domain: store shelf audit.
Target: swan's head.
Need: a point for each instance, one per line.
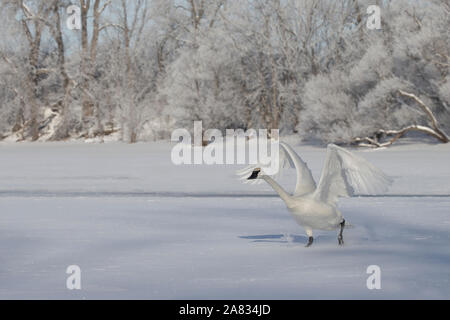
(255, 174)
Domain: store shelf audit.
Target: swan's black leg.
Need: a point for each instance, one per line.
(310, 242)
(340, 236)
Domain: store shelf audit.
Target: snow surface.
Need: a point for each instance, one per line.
(140, 227)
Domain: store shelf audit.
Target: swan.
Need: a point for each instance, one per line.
(315, 206)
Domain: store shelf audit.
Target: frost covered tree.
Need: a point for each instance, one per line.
(191, 88)
(136, 70)
(38, 59)
(397, 85)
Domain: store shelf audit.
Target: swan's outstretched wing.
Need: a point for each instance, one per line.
(345, 174)
(305, 182)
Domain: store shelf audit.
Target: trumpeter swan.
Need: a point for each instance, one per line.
(314, 207)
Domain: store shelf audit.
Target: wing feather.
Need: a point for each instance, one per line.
(345, 174)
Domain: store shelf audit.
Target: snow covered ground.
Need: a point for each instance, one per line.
(140, 227)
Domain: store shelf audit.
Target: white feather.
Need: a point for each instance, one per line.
(345, 174)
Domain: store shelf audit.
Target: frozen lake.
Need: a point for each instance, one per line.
(140, 227)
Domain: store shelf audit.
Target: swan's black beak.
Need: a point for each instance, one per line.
(254, 174)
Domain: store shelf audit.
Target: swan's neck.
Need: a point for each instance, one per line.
(283, 194)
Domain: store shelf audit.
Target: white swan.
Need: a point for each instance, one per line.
(343, 175)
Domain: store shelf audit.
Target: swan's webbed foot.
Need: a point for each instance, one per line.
(310, 242)
(340, 236)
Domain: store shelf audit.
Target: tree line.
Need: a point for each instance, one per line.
(137, 70)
